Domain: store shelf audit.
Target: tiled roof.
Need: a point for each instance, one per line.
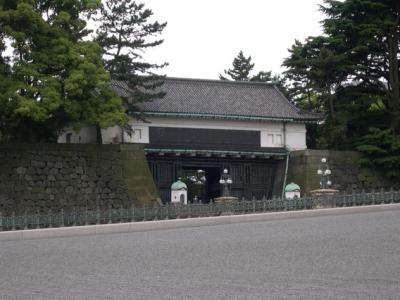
(221, 99)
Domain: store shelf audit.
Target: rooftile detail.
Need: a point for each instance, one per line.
(225, 99)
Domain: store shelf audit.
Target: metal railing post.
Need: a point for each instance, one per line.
(98, 221)
(133, 213)
(383, 195)
(391, 195)
(50, 218)
(86, 216)
(109, 213)
(121, 210)
(74, 216)
(155, 211)
(374, 200)
(25, 220)
(13, 221)
(62, 223)
(37, 219)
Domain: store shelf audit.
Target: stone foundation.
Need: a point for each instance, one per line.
(347, 175)
(39, 177)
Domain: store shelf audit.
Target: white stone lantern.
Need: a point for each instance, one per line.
(324, 172)
(179, 192)
(292, 190)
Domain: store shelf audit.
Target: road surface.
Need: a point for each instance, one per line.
(329, 257)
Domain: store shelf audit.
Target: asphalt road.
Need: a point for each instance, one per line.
(332, 257)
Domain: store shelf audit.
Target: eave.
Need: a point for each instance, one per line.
(227, 117)
(217, 153)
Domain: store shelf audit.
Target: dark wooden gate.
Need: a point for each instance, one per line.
(251, 178)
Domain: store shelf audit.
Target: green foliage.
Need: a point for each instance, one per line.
(381, 149)
(315, 70)
(367, 32)
(52, 77)
(126, 31)
(351, 73)
(262, 76)
(241, 69)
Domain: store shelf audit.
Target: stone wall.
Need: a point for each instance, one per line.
(43, 176)
(347, 175)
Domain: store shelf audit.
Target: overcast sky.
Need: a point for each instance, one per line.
(203, 36)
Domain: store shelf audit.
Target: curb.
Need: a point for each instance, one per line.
(186, 223)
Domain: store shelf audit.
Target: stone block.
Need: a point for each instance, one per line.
(38, 164)
(21, 170)
(79, 170)
(53, 171)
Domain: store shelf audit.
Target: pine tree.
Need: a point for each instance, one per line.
(352, 71)
(241, 68)
(53, 77)
(126, 32)
(368, 34)
(264, 76)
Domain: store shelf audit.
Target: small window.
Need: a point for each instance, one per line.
(138, 133)
(270, 139)
(278, 138)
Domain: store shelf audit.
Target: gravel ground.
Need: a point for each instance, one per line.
(336, 257)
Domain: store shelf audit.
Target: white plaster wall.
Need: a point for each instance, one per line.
(208, 124)
(265, 128)
(273, 136)
(111, 135)
(85, 135)
(140, 134)
(296, 136)
(272, 133)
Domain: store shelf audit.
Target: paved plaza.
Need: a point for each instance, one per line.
(332, 257)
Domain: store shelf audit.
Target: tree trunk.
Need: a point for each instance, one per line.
(394, 68)
(331, 108)
(99, 137)
(394, 101)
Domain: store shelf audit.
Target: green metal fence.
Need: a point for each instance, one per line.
(79, 217)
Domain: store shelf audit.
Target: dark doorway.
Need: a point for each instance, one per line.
(210, 189)
(213, 187)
